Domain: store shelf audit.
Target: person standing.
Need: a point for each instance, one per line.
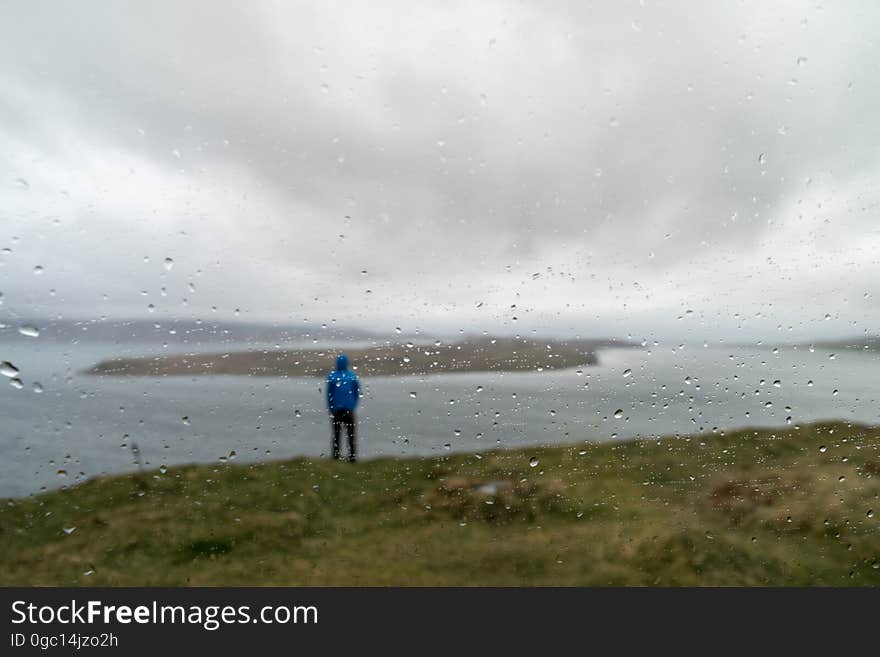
(343, 394)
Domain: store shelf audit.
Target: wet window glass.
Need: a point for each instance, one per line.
(441, 294)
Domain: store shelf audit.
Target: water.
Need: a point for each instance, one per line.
(82, 426)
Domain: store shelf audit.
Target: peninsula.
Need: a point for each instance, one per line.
(483, 354)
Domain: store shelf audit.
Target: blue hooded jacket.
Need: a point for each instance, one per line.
(343, 387)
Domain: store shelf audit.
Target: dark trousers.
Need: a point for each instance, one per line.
(340, 418)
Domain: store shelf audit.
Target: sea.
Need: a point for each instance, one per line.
(60, 426)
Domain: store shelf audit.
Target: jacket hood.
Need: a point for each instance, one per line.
(341, 362)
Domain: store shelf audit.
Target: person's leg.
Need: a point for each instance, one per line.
(336, 423)
(350, 428)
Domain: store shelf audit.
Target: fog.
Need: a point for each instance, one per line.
(678, 170)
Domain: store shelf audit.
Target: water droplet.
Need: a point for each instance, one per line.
(68, 530)
(168, 264)
(870, 513)
(627, 373)
(297, 413)
(613, 122)
(801, 61)
(618, 413)
(762, 159)
(185, 420)
(37, 387)
(777, 383)
(29, 331)
(162, 469)
(413, 395)
(533, 462)
(38, 270)
(823, 449)
(8, 369)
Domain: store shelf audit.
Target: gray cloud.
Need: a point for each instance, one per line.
(602, 169)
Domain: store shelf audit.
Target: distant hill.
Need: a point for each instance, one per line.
(861, 343)
(181, 331)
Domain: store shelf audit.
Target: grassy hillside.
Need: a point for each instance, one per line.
(799, 506)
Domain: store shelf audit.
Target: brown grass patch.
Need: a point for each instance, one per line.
(468, 498)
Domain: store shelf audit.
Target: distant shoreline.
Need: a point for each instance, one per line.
(469, 355)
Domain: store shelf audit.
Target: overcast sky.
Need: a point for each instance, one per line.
(694, 169)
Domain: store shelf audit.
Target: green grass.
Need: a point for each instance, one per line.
(785, 507)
